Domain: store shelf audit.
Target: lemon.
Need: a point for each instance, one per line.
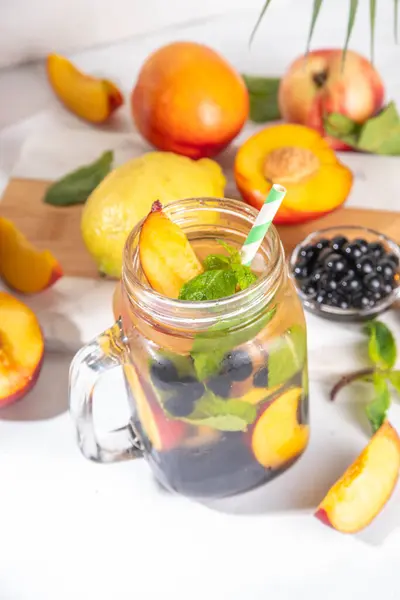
(125, 196)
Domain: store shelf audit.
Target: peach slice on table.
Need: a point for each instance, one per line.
(277, 437)
(89, 98)
(365, 487)
(21, 349)
(167, 258)
(24, 268)
(163, 433)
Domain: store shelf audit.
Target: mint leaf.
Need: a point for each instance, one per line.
(394, 378)
(76, 187)
(222, 414)
(381, 346)
(287, 355)
(263, 95)
(381, 134)
(377, 409)
(244, 276)
(216, 261)
(210, 347)
(234, 255)
(209, 285)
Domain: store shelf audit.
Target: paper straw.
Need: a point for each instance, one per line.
(262, 223)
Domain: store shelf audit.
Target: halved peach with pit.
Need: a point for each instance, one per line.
(21, 349)
(365, 487)
(277, 437)
(298, 158)
(167, 258)
(90, 98)
(23, 267)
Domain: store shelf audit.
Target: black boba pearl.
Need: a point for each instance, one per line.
(352, 250)
(372, 282)
(220, 385)
(321, 296)
(362, 302)
(365, 265)
(331, 285)
(363, 244)
(237, 365)
(338, 242)
(376, 296)
(376, 249)
(344, 304)
(179, 405)
(350, 284)
(387, 288)
(393, 259)
(335, 263)
(260, 378)
(385, 268)
(332, 299)
(322, 243)
(301, 270)
(307, 253)
(309, 289)
(324, 253)
(316, 275)
(190, 387)
(163, 373)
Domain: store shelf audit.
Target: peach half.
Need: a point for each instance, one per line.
(365, 487)
(89, 98)
(24, 268)
(21, 349)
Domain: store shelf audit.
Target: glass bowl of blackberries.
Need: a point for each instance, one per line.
(347, 273)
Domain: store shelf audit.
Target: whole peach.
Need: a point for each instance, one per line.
(320, 83)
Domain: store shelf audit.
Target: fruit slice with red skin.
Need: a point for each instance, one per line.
(365, 487)
(162, 432)
(277, 437)
(166, 256)
(89, 98)
(23, 267)
(21, 349)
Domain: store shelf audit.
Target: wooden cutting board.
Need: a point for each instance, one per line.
(58, 229)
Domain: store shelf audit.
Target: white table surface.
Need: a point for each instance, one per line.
(71, 529)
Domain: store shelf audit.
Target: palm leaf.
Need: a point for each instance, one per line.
(316, 8)
(350, 25)
(260, 18)
(396, 15)
(372, 15)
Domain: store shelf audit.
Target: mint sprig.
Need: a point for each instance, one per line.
(223, 276)
(220, 413)
(382, 353)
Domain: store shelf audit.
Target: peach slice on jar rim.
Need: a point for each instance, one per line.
(366, 486)
(21, 349)
(24, 268)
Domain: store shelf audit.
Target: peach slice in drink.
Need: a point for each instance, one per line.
(365, 487)
(167, 258)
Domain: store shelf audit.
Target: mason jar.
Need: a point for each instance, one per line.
(218, 390)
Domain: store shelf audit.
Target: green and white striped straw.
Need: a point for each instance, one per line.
(262, 223)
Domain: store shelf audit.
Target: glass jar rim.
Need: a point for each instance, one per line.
(205, 312)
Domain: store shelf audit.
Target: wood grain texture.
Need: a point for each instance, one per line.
(58, 228)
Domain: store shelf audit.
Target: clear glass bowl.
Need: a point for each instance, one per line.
(350, 314)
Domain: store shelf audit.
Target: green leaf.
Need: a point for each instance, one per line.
(382, 345)
(260, 18)
(394, 378)
(342, 128)
(287, 356)
(244, 276)
(222, 414)
(396, 20)
(350, 25)
(372, 15)
(210, 347)
(216, 261)
(377, 409)
(234, 254)
(76, 187)
(210, 285)
(316, 8)
(381, 134)
(263, 94)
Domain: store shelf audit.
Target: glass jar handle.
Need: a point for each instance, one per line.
(105, 352)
